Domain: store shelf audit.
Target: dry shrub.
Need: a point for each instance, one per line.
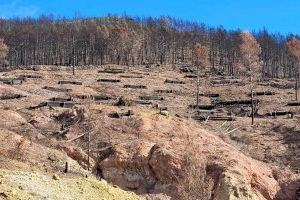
(122, 101)
(195, 183)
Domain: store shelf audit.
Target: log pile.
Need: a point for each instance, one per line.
(11, 81)
(121, 114)
(53, 89)
(61, 99)
(280, 113)
(263, 93)
(109, 80)
(164, 91)
(101, 97)
(203, 107)
(112, 71)
(61, 104)
(143, 102)
(211, 95)
(135, 86)
(293, 104)
(11, 96)
(186, 70)
(82, 96)
(53, 104)
(190, 76)
(131, 76)
(24, 77)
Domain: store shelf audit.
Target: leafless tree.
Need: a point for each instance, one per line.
(200, 59)
(250, 51)
(3, 52)
(135, 41)
(294, 48)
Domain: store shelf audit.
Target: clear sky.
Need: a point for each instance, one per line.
(275, 15)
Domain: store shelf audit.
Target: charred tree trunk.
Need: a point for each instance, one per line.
(252, 101)
(89, 147)
(197, 103)
(296, 87)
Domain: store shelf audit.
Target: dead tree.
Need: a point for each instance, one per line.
(200, 59)
(294, 48)
(3, 53)
(249, 52)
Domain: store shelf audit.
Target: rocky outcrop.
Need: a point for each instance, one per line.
(197, 165)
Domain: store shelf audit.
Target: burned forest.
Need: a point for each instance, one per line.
(121, 107)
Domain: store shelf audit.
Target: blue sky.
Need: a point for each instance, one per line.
(275, 15)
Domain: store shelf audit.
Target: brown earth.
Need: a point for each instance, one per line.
(152, 153)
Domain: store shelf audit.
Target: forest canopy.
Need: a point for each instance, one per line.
(135, 41)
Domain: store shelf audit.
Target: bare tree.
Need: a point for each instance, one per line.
(3, 52)
(200, 60)
(294, 48)
(250, 51)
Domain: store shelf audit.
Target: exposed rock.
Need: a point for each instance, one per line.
(219, 171)
(55, 177)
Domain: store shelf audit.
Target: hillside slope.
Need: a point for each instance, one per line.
(25, 185)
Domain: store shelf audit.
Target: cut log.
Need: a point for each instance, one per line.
(164, 91)
(11, 96)
(174, 81)
(121, 114)
(293, 104)
(41, 105)
(142, 102)
(186, 70)
(211, 95)
(154, 98)
(112, 71)
(202, 107)
(60, 104)
(225, 81)
(135, 86)
(280, 113)
(236, 102)
(53, 104)
(190, 76)
(82, 96)
(101, 98)
(131, 76)
(263, 93)
(24, 77)
(57, 89)
(109, 80)
(61, 99)
(213, 118)
(11, 81)
(70, 82)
